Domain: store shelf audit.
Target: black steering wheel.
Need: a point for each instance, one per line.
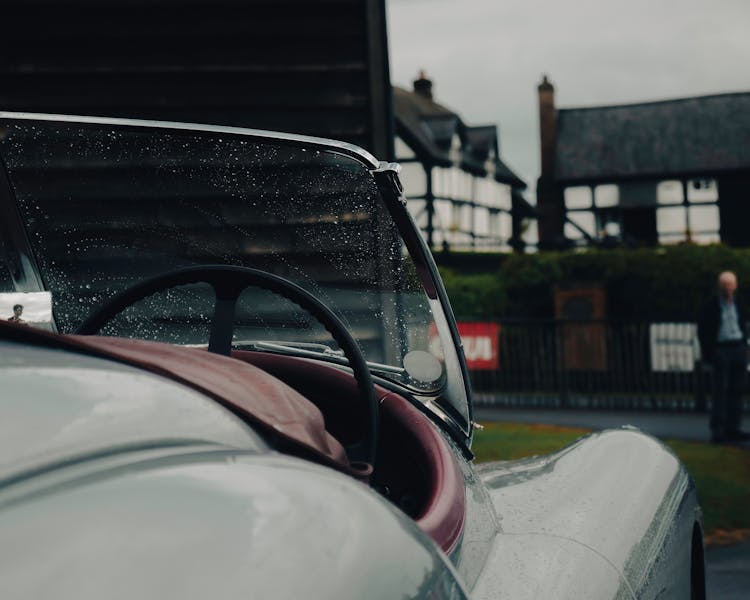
(228, 282)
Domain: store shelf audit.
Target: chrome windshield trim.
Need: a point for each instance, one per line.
(335, 357)
(350, 150)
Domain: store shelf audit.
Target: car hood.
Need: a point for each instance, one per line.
(213, 524)
(59, 407)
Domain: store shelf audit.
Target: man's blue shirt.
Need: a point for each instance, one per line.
(729, 328)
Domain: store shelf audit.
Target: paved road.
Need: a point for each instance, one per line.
(728, 576)
(728, 567)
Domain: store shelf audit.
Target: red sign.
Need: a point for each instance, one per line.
(481, 345)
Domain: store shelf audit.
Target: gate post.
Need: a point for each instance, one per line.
(562, 375)
(699, 380)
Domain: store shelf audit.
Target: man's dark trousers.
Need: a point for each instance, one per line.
(730, 371)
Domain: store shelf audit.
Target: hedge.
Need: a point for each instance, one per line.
(653, 284)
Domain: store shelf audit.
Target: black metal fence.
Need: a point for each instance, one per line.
(595, 364)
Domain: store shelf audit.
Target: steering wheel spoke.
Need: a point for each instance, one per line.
(222, 326)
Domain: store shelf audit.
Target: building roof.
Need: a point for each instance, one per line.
(505, 174)
(416, 121)
(480, 144)
(681, 137)
(429, 128)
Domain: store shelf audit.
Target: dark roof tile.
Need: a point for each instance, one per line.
(671, 138)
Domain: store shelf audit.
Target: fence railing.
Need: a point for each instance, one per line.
(590, 364)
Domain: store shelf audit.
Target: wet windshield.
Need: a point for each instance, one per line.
(107, 206)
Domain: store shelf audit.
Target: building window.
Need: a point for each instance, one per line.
(506, 226)
(606, 196)
(704, 222)
(578, 197)
(504, 195)
(579, 202)
(482, 224)
(669, 192)
(693, 218)
(703, 190)
(583, 219)
(671, 224)
(414, 179)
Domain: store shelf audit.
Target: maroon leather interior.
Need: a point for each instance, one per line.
(415, 466)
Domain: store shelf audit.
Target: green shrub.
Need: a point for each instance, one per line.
(475, 295)
(667, 283)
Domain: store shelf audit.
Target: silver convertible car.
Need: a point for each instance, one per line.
(229, 369)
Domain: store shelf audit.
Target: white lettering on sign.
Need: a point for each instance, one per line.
(479, 341)
(477, 347)
(674, 346)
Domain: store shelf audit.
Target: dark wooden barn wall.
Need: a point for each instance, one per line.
(312, 67)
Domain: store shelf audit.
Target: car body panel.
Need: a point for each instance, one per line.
(480, 524)
(530, 566)
(218, 525)
(620, 493)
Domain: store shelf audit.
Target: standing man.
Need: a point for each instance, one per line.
(721, 332)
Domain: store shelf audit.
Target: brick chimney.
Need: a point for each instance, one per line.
(549, 195)
(423, 86)
(547, 127)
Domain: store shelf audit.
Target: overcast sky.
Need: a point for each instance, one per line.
(486, 57)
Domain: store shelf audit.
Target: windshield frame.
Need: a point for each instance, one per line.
(29, 277)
